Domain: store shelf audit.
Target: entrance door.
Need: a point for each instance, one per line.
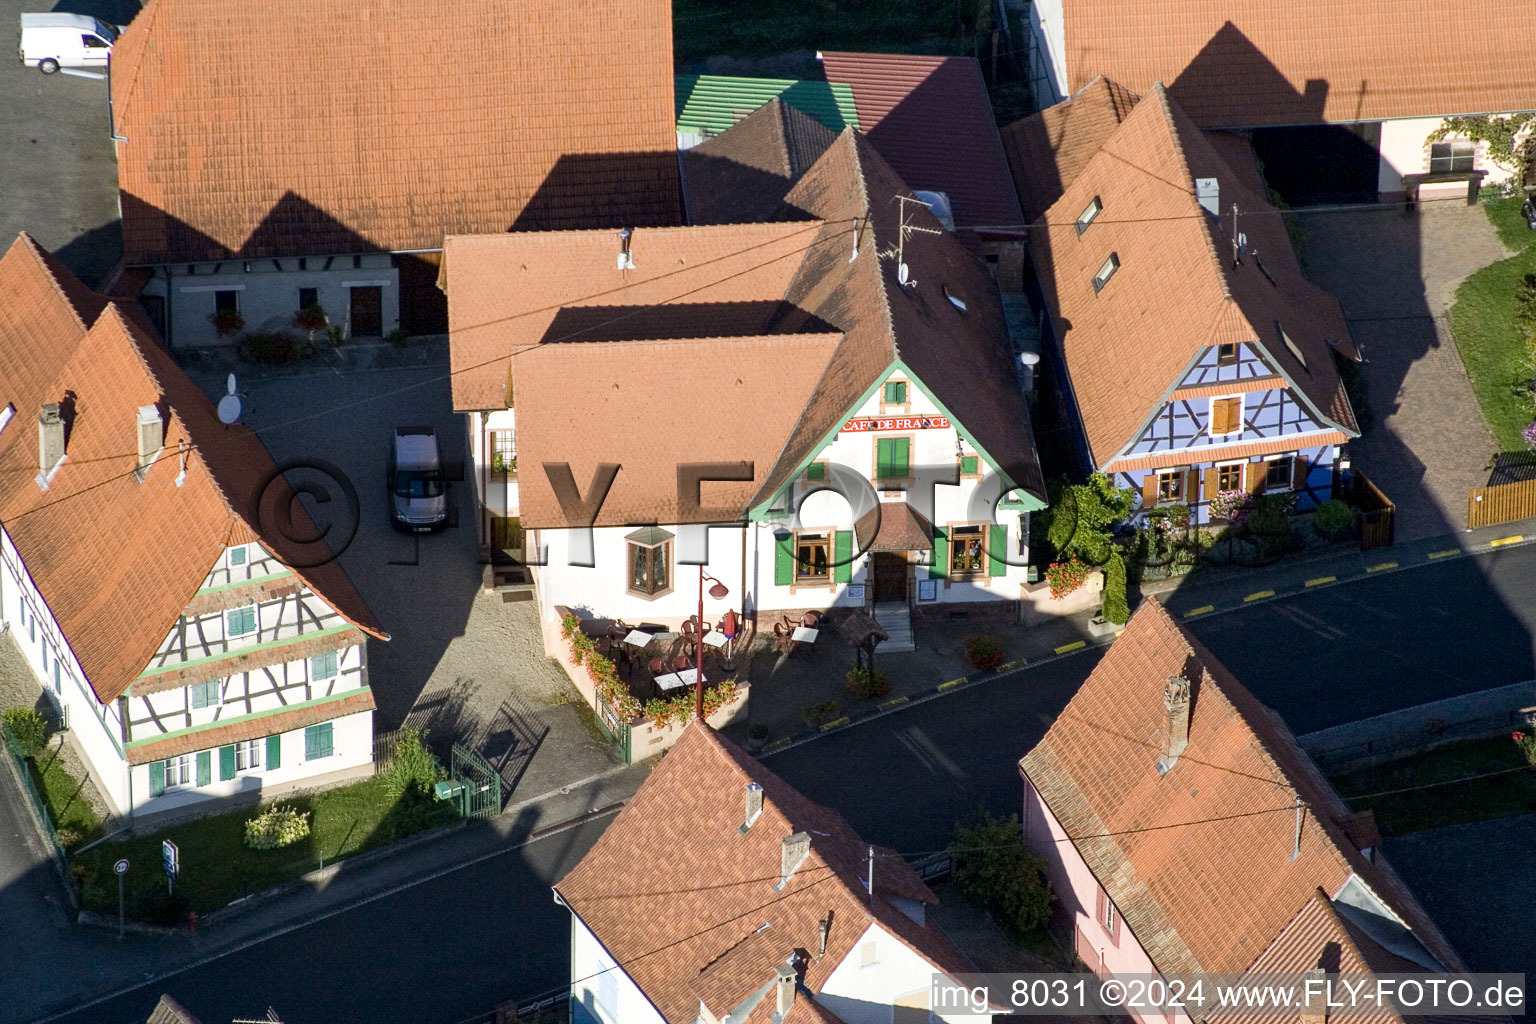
(367, 314)
(890, 577)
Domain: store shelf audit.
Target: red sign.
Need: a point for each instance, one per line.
(897, 423)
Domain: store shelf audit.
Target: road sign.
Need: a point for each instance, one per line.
(170, 857)
(121, 867)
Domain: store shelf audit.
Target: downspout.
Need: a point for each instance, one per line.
(749, 526)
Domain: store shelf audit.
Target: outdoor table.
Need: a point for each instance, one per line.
(805, 634)
(688, 676)
(670, 681)
(716, 639)
(637, 638)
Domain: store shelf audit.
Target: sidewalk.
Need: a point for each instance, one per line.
(211, 365)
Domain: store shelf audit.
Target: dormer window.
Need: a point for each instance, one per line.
(1089, 215)
(1226, 355)
(1106, 272)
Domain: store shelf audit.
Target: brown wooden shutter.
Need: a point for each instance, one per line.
(1191, 486)
(1256, 472)
(1210, 484)
(1149, 489)
(1299, 469)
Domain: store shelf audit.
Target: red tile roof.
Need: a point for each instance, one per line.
(117, 560)
(1049, 149)
(931, 119)
(685, 902)
(742, 175)
(1242, 63)
(337, 126)
(1198, 860)
(1176, 290)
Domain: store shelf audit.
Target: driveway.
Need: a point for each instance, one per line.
(1478, 881)
(58, 173)
(1395, 274)
(460, 661)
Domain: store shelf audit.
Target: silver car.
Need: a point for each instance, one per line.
(418, 492)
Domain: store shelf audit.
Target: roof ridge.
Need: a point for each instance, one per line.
(146, 18)
(1166, 105)
(862, 184)
(558, 346)
(49, 266)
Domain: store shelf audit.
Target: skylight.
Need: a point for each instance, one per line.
(1089, 214)
(1106, 272)
(1291, 345)
(955, 300)
(6, 414)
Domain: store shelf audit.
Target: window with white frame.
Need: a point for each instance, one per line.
(1170, 486)
(248, 755)
(1453, 156)
(1278, 477)
(179, 772)
(1229, 477)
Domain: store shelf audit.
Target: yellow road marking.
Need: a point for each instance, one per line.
(1118, 633)
(1447, 553)
(1199, 611)
(776, 744)
(1259, 595)
(1073, 646)
(835, 723)
(1381, 566)
(1009, 666)
(1321, 580)
(952, 683)
(1516, 539)
(894, 702)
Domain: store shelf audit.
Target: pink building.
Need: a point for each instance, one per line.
(1186, 831)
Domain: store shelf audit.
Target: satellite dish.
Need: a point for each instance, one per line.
(229, 407)
(901, 273)
(1029, 358)
(231, 383)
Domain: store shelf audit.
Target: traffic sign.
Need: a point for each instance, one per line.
(121, 867)
(170, 857)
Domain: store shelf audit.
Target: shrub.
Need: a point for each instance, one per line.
(25, 731)
(864, 684)
(67, 836)
(1233, 506)
(1332, 518)
(1080, 524)
(270, 347)
(1117, 607)
(823, 712)
(311, 318)
(992, 868)
(1527, 744)
(276, 826)
(983, 651)
(1271, 513)
(414, 768)
(226, 322)
(1529, 435)
(155, 903)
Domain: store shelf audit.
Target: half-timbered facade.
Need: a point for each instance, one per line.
(194, 650)
(1195, 359)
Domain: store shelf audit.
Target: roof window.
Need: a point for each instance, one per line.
(1295, 349)
(955, 300)
(1106, 272)
(1090, 214)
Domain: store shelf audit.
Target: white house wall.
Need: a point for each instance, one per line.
(1047, 50)
(601, 992)
(861, 992)
(1404, 150)
(268, 293)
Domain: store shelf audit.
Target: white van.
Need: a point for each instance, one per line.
(415, 478)
(57, 40)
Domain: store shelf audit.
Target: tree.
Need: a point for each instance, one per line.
(992, 868)
(1080, 522)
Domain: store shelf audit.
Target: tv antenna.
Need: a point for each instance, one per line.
(270, 1018)
(229, 405)
(903, 274)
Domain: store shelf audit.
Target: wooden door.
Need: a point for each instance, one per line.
(367, 314)
(890, 577)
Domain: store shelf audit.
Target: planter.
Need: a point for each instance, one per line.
(1100, 626)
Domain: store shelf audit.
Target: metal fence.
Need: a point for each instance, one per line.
(44, 819)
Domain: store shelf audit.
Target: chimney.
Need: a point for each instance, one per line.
(1314, 998)
(50, 441)
(151, 438)
(823, 929)
(794, 850)
(1176, 700)
(783, 989)
(626, 258)
(1208, 191)
(754, 807)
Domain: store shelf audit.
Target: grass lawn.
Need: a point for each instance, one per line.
(1507, 221)
(217, 867)
(706, 28)
(1492, 344)
(1494, 796)
(61, 795)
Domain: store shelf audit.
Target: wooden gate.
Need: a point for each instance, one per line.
(1501, 503)
(1376, 513)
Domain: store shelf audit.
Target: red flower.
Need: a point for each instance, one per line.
(1517, 736)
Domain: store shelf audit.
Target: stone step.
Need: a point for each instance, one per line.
(894, 646)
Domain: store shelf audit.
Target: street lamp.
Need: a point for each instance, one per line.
(719, 593)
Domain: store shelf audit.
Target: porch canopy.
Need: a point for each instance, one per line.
(894, 526)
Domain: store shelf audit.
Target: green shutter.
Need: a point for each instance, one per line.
(816, 471)
(842, 554)
(968, 465)
(899, 447)
(157, 778)
(883, 459)
(997, 550)
(895, 392)
(274, 752)
(237, 556)
(784, 560)
(226, 763)
(204, 767)
(317, 742)
(940, 567)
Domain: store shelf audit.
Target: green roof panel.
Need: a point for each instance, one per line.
(709, 104)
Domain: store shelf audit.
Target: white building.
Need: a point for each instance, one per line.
(829, 398)
(193, 649)
(785, 925)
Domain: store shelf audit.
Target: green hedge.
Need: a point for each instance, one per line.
(1117, 608)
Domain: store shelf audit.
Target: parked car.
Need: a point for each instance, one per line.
(58, 40)
(419, 494)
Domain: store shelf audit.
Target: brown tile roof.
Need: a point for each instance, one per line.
(741, 175)
(1176, 290)
(409, 122)
(142, 752)
(115, 609)
(1198, 861)
(510, 291)
(169, 1011)
(685, 902)
(1049, 149)
(1239, 63)
(931, 119)
(653, 406)
(899, 527)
